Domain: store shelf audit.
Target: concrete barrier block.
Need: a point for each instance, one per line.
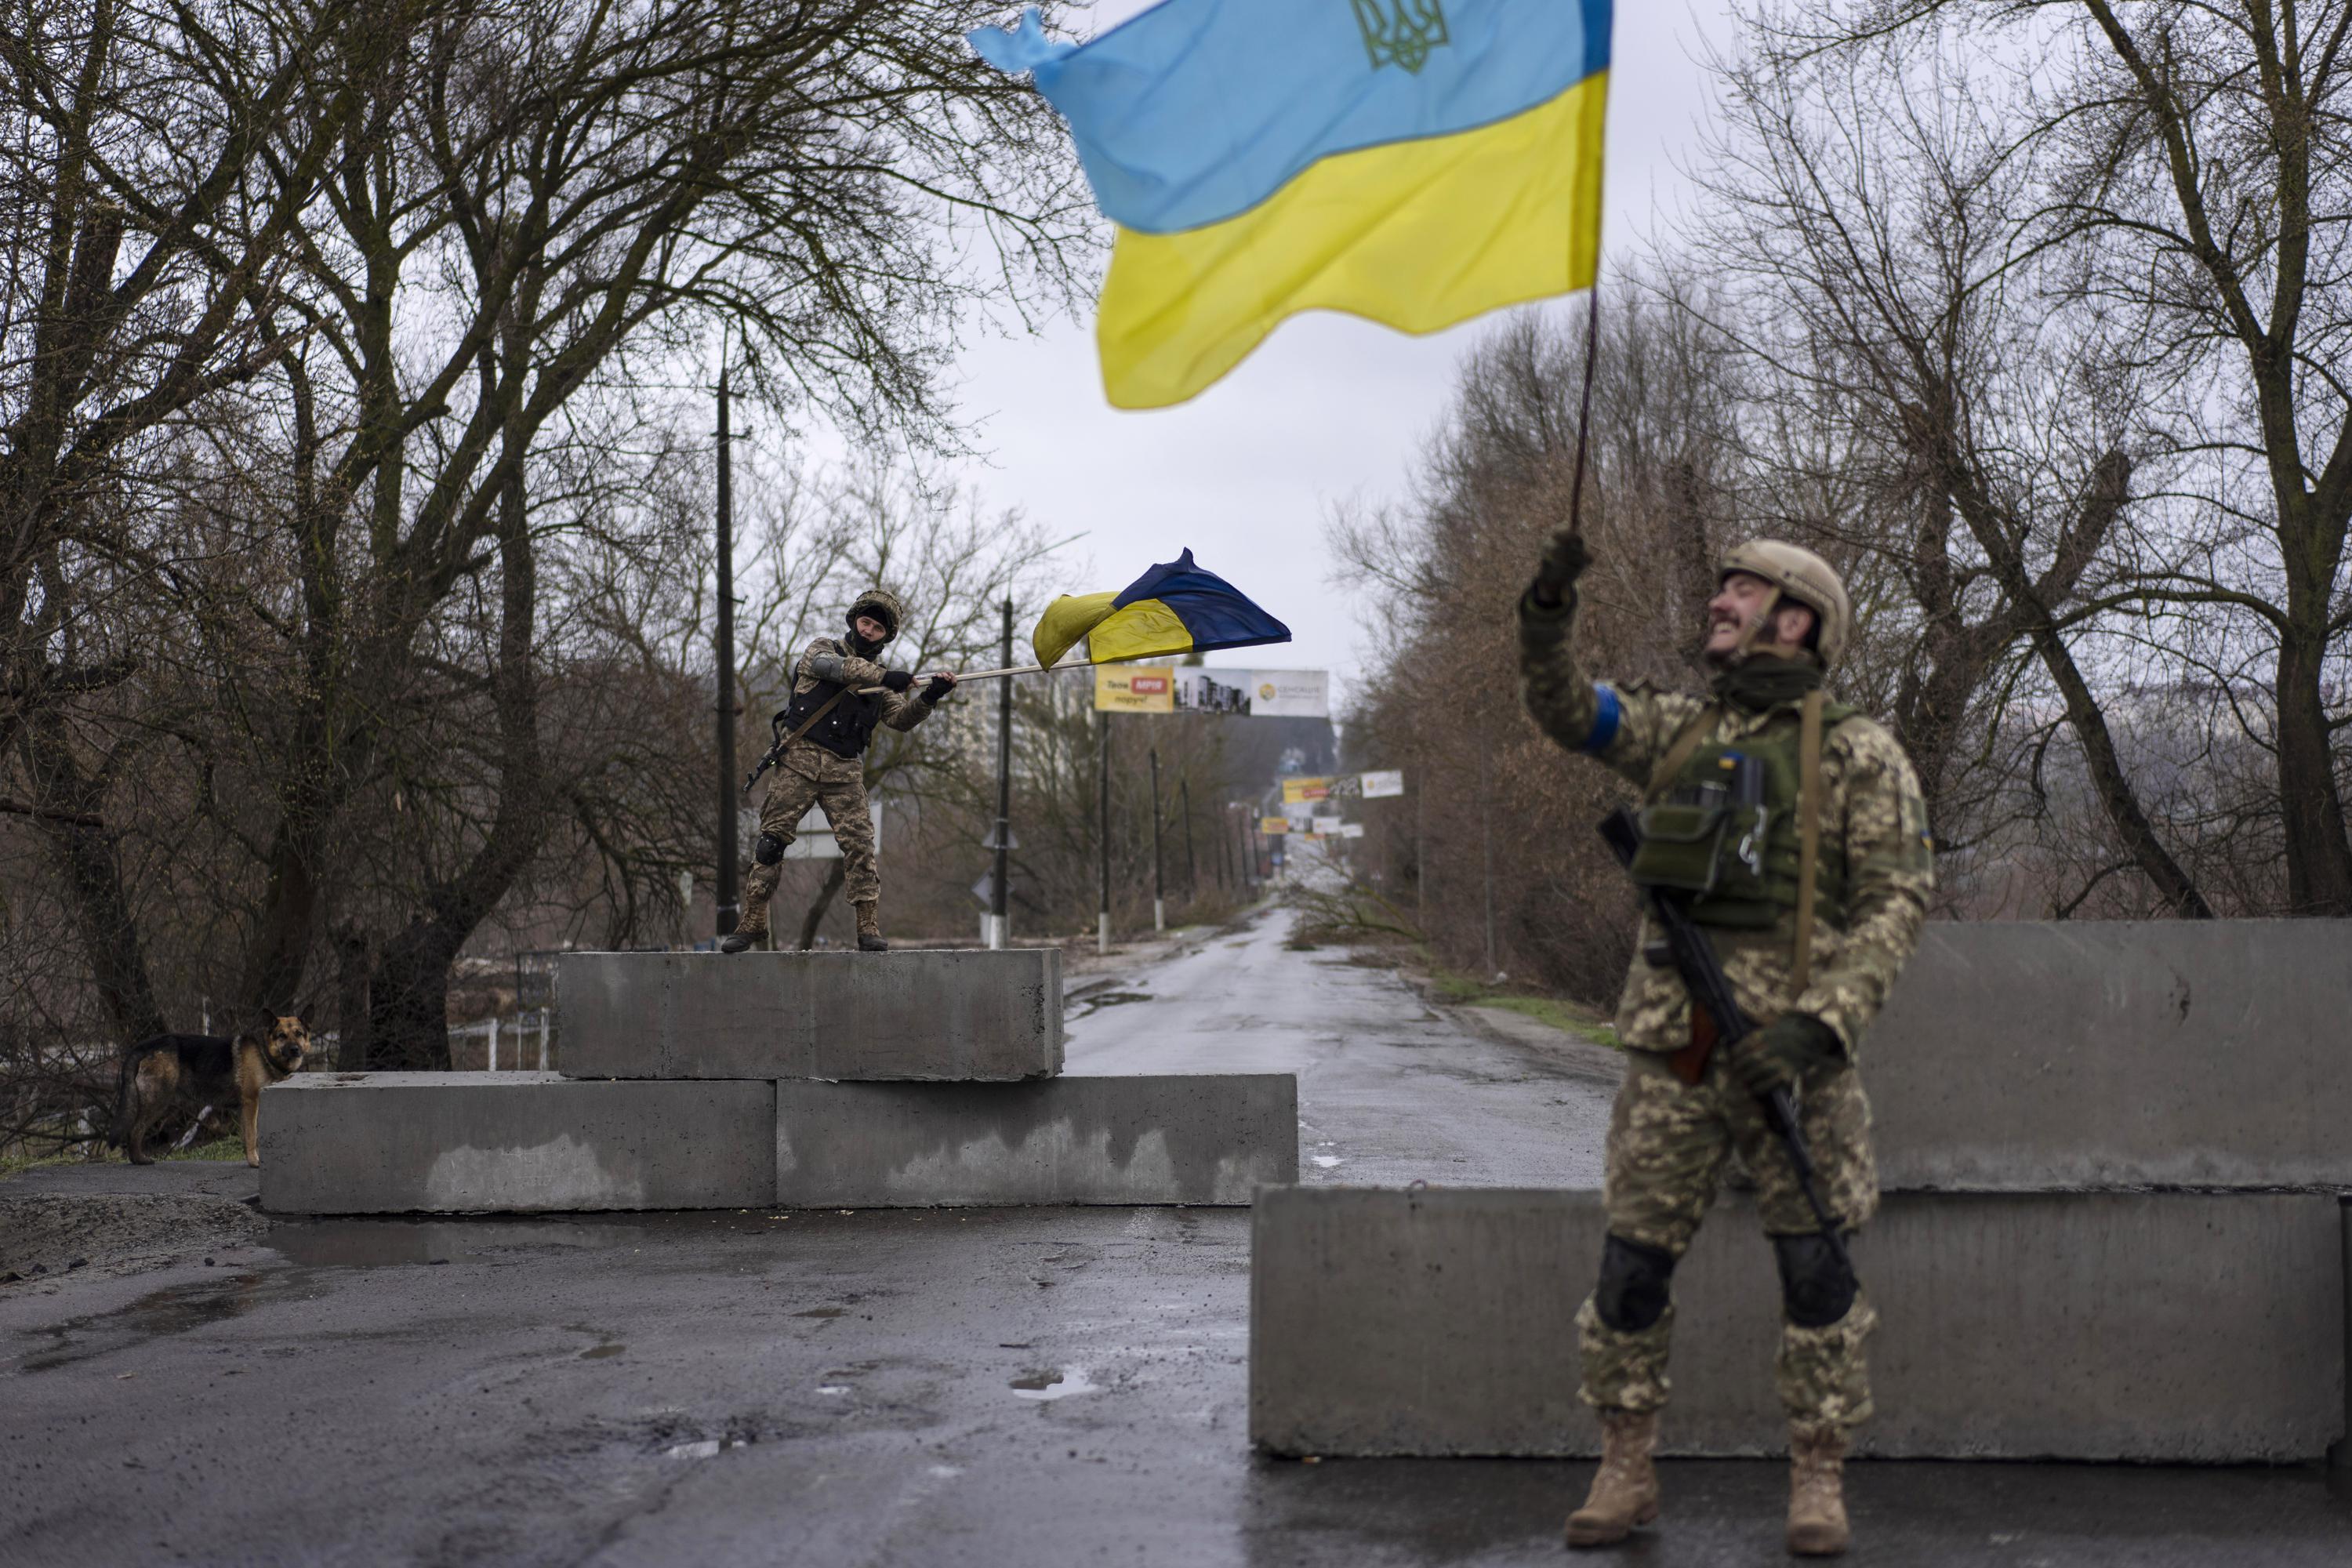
(954, 1014)
(2019, 1057)
(393, 1142)
(2105, 1326)
(1211, 1139)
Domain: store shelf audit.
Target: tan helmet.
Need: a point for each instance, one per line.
(1801, 575)
(883, 605)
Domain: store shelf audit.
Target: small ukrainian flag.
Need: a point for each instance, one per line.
(1177, 607)
(1414, 161)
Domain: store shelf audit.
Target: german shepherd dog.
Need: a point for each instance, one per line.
(198, 1070)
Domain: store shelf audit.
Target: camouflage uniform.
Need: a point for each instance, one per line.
(1668, 1141)
(808, 774)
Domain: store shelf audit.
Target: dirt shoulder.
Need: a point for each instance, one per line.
(46, 1236)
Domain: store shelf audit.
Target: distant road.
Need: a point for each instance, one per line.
(1389, 1089)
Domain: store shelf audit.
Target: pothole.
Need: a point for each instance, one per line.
(1054, 1382)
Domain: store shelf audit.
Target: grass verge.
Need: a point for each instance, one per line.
(1571, 1017)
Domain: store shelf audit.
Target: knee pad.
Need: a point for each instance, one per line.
(769, 850)
(1636, 1282)
(1816, 1287)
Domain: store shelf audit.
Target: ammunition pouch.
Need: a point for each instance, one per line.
(1723, 835)
(1705, 851)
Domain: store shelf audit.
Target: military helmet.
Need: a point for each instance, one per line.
(1805, 577)
(883, 605)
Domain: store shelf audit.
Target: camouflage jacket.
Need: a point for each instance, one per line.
(1870, 807)
(830, 658)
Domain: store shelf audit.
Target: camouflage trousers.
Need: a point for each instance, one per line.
(1668, 1143)
(810, 775)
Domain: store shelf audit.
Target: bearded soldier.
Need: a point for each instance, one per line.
(1812, 879)
(839, 695)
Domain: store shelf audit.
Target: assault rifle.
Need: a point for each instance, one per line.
(1710, 990)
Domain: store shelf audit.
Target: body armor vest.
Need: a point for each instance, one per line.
(845, 731)
(1723, 833)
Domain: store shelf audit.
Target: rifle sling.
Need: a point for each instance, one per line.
(813, 721)
(776, 752)
(1701, 725)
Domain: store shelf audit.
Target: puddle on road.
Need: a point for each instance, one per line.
(1054, 1383)
(823, 1313)
(174, 1311)
(390, 1243)
(1085, 1006)
(602, 1352)
(704, 1449)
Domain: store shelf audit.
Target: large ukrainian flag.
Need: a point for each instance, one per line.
(1416, 162)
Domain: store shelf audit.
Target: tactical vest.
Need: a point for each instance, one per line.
(1724, 830)
(845, 731)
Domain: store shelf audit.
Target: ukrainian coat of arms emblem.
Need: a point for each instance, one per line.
(1401, 32)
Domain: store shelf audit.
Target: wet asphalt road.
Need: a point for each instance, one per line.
(1032, 1387)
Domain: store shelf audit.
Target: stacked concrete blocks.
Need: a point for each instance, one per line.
(1209, 1139)
(2086, 1056)
(436, 1142)
(957, 1015)
(851, 1081)
(2114, 1162)
(2015, 1326)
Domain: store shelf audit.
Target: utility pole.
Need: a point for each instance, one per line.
(1102, 836)
(728, 871)
(1486, 834)
(1158, 889)
(1000, 892)
(1419, 855)
(1191, 869)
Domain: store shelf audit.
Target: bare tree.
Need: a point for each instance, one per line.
(1889, 271)
(2201, 156)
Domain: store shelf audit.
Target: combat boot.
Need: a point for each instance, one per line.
(747, 932)
(1817, 1526)
(869, 926)
(1626, 1489)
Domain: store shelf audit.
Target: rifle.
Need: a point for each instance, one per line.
(1710, 989)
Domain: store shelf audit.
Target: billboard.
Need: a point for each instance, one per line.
(1135, 689)
(1274, 824)
(1298, 788)
(1254, 693)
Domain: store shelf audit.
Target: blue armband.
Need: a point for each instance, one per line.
(1606, 715)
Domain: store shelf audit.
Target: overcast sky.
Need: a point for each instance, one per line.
(1328, 408)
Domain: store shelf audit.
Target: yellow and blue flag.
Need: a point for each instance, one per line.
(1415, 162)
(1176, 607)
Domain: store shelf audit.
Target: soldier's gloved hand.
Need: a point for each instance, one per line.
(898, 680)
(1779, 1054)
(1564, 560)
(939, 686)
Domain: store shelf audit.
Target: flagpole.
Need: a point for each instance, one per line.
(1043, 668)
